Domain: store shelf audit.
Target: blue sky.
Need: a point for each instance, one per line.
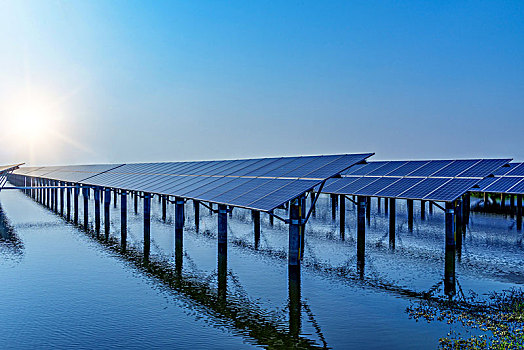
(124, 81)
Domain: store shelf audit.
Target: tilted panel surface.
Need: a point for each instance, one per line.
(452, 190)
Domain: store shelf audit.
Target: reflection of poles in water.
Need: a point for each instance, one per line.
(295, 305)
(222, 253)
(179, 234)
(8, 238)
(449, 270)
(392, 224)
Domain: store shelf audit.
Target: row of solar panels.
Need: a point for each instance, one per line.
(436, 180)
(508, 180)
(261, 184)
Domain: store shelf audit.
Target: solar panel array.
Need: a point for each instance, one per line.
(435, 180)
(4, 171)
(262, 184)
(508, 180)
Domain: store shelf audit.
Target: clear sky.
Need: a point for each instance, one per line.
(123, 81)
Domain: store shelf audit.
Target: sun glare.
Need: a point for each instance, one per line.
(30, 122)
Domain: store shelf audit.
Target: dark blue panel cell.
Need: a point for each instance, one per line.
(317, 165)
(376, 186)
(229, 194)
(518, 188)
(366, 169)
(407, 168)
(337, 166)
(484, 168)
(387, 168)
(486, 182)
(284, 163)
(290, 167)
(201, 185)
(260, 192)
(398, 187)
(452, 190)
(282, 195)
(355, 186)
(503, 184)
(423, 188)
(455, 168)
(225, 187)
(252, 168)
(518, 171)
(430, 168)
(334, 184)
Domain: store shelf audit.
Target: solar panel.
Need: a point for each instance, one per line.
(484, 183)
(355, 186)
(517, 171)
(456, 167)
(285, 193)
(407, 168)
(505, 169)
(366, 169)
(398, 187)
(503, 184)
(431, 168)
(376, 186)
(386, 168)
(484, 168)
(451, 190)
(423, 188)
(518, 188)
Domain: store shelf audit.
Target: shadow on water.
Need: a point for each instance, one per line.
(10, 244)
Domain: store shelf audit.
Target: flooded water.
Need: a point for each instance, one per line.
(64, 288)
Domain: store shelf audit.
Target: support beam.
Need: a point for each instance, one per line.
(502, 201)
(422, 210)
(62, 198)
(379, 205)
(164, 208)
(342, 216)
(459, 225)
(392, 224)
(86, 207)
(123, 220)
(97, 210)
(449, 269)
(296, 230)
(147, 225)
(386, 202)
(271, 218)
(519, 212)
(333, 207)
(77, 193)
(222, 252)
(196, 207)
(115, 191)
(409, 203)
(512, 205)
(361, 233)
(256, 227)
(136, 202)
(312, 202)
(179, 220)
(107, 220)
(68, 206)
(295, 303)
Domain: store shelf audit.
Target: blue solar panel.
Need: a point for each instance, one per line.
(503, 184)
(423, 188)
(243, 187)
(484, 168)
(356, 185)
(398, 187)
(518, 188)
(376, 186)
(505, 169)
(335, 184)
(455, 168)
(366, 169)
(284, 194)
(518, 171)
(452, 190)
(260, 192)
(386, 168)
(484, 183)
(407, 168)
(336, 166)
(430, 168)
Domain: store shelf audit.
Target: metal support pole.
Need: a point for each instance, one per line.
(86, 206)
(55, 193)
(502, 201)
(379, 205)
(296, 230)
(519, 212)
(386, 202)
(222, 252)
(107, 220)
(147, 225)
(449, 269)
(196, 206)
(75, 203)
(361, 233)
(164, 208)
(312, 201)
(368, 210)
(486, 200)
(179, 221)
(62, 198)
(68, 205)
(114, 197)
(295, 303)
(271, 219)
(512, 205)
(123, 220)
(136, 202)
(333, 206)
(256, 227)
(97, 210)
(430, 208)
(392, 224)
(422, 210)
(458, 224)
(342, 216)
(410, 214)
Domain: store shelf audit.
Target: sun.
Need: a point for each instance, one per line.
(30, 122)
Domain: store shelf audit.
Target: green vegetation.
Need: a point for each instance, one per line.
(493, 323)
